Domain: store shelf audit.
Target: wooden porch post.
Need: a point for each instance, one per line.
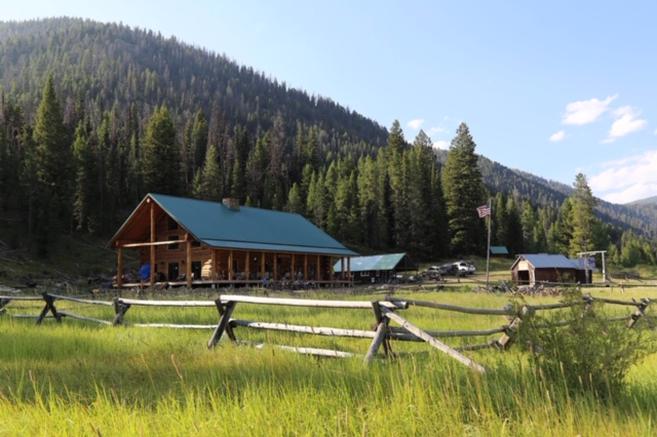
(230, 265)
(317, 268)
(349, 268)
(305, 267)
(247, 267)
(293, 268)
(275, 266)
(262, 265)
(342, 275)
(152, 248)
(213, 267)
(188, 262)
(119, 267)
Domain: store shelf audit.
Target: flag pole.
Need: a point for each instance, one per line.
(490, 218)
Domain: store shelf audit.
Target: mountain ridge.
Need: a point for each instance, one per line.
(140, 69)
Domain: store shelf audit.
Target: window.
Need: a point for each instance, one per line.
(172, 225)
(173, 246)
(196, 244)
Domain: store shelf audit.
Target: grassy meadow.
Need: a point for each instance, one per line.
(75, 378)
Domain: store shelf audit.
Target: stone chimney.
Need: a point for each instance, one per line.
(232, 203)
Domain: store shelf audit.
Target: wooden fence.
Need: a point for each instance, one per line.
(383, 312)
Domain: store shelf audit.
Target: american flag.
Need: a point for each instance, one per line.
(483, 211)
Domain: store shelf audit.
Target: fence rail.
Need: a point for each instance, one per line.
(383, 311)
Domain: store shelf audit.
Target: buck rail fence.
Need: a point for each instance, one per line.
(383, 312)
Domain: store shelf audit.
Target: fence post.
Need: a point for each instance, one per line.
(221, 309)
(380, 336)
(640, 311)
(511, 331)
(48, 307)
(223, 321)
(3, 303)
(120, 308)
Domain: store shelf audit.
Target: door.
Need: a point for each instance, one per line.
(174, 271)
(196, 269)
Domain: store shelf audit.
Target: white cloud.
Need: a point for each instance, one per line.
(441, 144)
(558, 136)
(627, 121)
(627, 179)
(586, 111)
(436, 130)
(415, 123)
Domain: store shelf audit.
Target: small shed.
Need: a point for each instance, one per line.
(528, 269)
(499, 251)
(377, 268)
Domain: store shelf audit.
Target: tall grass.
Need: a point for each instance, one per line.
(77, 379)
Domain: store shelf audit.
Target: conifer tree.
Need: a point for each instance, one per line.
(294, 201)
(161, 168)
(52, 159)
(208, 183)
(86, 197)
(367, 201)
(396, 141)
(237, 180)
(421, 218)
(464, 192)
(256, 167)
(583, 219)
(514, 228)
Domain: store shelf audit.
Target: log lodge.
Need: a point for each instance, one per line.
(190, 242)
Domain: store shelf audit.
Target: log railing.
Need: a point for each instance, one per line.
(384, 312)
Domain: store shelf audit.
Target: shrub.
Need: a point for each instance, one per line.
(580, 347)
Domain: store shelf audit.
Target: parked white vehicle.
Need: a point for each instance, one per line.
(465, 268)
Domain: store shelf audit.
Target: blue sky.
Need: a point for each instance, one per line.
(548, 87)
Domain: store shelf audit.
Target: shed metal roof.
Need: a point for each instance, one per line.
(548, 261)
(371, 263)
(499, 250)
(248, 228)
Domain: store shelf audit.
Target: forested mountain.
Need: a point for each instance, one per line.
(93, 116)
(641, 216)
(648, 201)
(99, 66)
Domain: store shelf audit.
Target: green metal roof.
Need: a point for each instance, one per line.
(499, 250)
(374, 262)
(249, 228)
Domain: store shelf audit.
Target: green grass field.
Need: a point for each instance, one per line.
(74, 378)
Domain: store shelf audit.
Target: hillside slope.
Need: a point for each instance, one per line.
(106, 67)
(112, 64)
(640, 216)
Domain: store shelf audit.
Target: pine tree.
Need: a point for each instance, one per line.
(464, 192)
(583, 218)
(199, 139)
(161, 158)
(501, 221)
(440, 234)
(256, 167)
(237, 180)
(52, 159)
(384, 218)
(294, 201)
(86, 197)
(420, 164)
(367, 201)
(514, 228)
(528, 219)
(396, 141)
(208, 184)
